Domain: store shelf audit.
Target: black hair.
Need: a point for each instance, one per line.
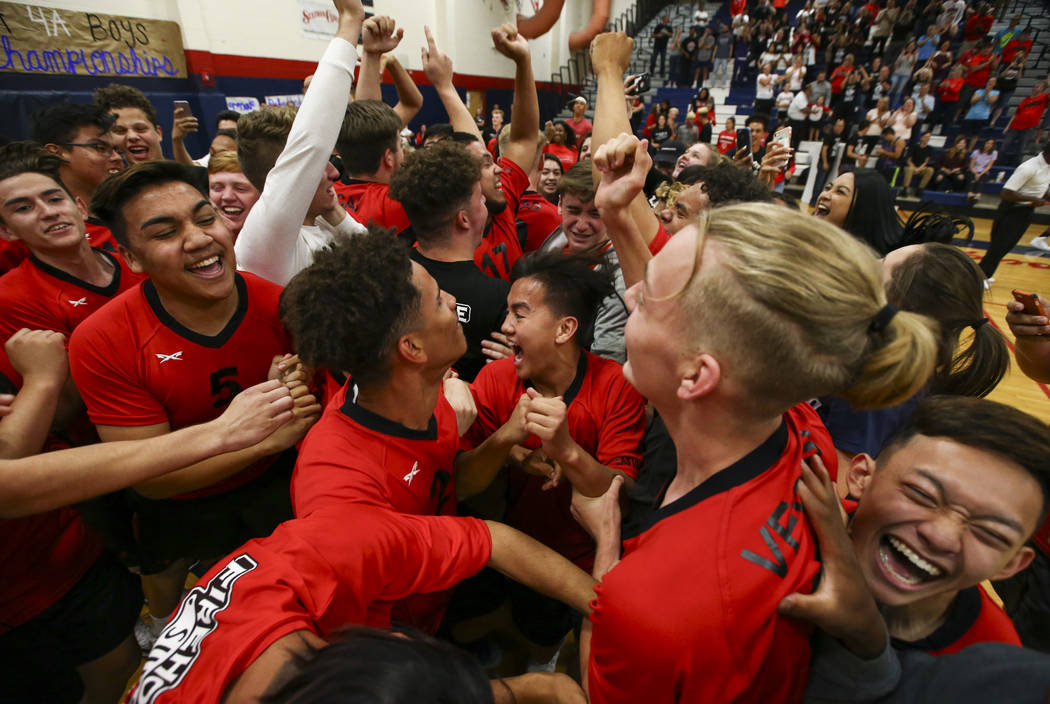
(984, 425)
(570, 135)
(573, 285)
(439, 131)
(930, 222)
(726, 183)
(433, 185)
(113, 193)
(59, 123)
(347, 310)
(371, 666)
(226, 115)
(871, 215)
(463, 137)
(226, 132)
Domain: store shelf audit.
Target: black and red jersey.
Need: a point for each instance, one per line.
(370, 202)
(501, 247)
(973, 618)
(540, 218)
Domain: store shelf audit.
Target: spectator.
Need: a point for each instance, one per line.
(1029, 113)
(675, 75)
(980, 167)
(687, 48)
(798, 114)
(1021, 44)
(230, 191)
(948, 96)
(705, 52)
(727, 138)
(903, 119)
(831, 150)
(578, 121)
(1009, 75)
(902, 69)
(820, 87)
(688, 134)
(723, 57)
(1024, 191)
(918, 163)
(818, 118)
(764, 86)
(135, 129)
(951, 167)
(1006, 34)
(978, 64)
(977, 26)
(981, 103)
(661, 133)
(925, 103)
(941, 61)
(661, 35)
(563, 142)
(547, 183)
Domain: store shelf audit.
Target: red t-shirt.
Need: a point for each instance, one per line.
(38, 296)
(977, 78)
(369, 201)
(540, 218)
(737, 7)
(1030, 112)
(1014, 46)
(581, 128)
(976, 27)
(500, 247)
(726, 141)
(566, 155)
(689, 614)
(972, 618)
(321, 574)
(99, 235)
(838, 77)
(661, 238)
(43, 557)
(948, 90)
(606, 417)
(135, 365)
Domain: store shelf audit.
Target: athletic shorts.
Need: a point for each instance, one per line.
(210, 527)
(38, 659)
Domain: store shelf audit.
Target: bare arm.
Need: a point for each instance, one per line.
(610, 55)
(438, 68)
(39, 356)
(525, 118)
(1031, 340)
(55, 479)
(409, 99)
(378, 36)
(181, 126)
(622, 163)
(475, 469)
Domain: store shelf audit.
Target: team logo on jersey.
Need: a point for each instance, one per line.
(77, 304)
(412, 474)
(168, 357)
(463, 312)
(179, 643)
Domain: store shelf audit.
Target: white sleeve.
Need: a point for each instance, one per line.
(270, 235)
(1019, 177)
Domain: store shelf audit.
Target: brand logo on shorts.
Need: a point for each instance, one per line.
(412, 474)
(179, 643)
(168, 357)
(77, 304)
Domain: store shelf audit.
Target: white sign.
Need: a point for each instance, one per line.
(242, 105)
(295, 100)
(318, 20)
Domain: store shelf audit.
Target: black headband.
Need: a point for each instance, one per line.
(883, 318)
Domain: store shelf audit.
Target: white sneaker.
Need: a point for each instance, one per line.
(1040, 243)
(988, 283)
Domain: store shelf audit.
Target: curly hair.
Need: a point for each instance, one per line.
(433, 185)
(347, 310)
(726, 183)
(370, 127)
(117, 95)
(261, 136)
(28, 157)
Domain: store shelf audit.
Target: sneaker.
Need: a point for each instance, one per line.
(988, 283)
(1040, 243)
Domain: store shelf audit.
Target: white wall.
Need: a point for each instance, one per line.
(270, 28)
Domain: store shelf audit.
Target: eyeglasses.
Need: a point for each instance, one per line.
(100, 147)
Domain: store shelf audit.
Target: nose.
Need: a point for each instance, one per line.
(508, 325)
(943, 532)
(666, 215)
(330, 172)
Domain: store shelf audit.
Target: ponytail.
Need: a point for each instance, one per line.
(902, 357)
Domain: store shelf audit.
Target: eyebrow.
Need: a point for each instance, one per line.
(20, 199)
(165, 219)
(520, 306)
(942, 494)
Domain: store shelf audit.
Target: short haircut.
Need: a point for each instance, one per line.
(261, 136)
(27, 157)
(578, 181)
(114, 193)
(226, 132)
(117, 95)
(573, 285)
(551, 157)
(984, 425)
(59, 123)
(226, 115)
(370, 666)
(762, 119)
(433, 185)
(347, 310)
(439, 131)
(370, 127)
(224, 161)
(726, 183)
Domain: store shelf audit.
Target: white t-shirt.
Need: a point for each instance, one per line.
(799, 106)
(1030, 179)
(764, 92)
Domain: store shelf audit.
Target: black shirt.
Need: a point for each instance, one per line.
(918, 154)
(660, 36)
(481, 304)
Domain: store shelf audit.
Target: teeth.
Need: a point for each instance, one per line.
(233, 210)
(207, 262)
(60, 226)
(913, 558)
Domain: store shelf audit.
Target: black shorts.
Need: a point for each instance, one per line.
(38, 659)
(210, 527)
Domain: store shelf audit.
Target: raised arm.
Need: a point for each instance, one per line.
(610, 55)
(180, 127)
(622, 163)
(525, 116)
(438, 68)
(409, 99)
(53, 479)
(39, 356)
(378, 36)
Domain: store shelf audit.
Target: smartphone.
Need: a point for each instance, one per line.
(783, 136)
(185, 107)
(1032, 306)
(743, 139)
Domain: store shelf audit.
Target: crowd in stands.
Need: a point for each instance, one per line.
(505, 411)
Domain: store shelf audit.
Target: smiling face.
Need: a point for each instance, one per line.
(686, 207)
(699, 154)
(549, 175)
(938, 516)
(585, 149)
(491, 186)
(88, 166)
(233, 196)
(177, 238)
(36, 210)
(581, 223)
(532, 328)
(136, 136)
(325, 197)
(836, 200)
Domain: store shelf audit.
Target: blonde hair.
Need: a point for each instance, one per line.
(504, 137)
(261, 136)
(224, 161)
(789, 314)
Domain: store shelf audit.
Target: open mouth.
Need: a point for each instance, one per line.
(822, 210)
(58, 229)
(903, 565)
(207, 268)
(231, 210)
(519, 354)
(139, 152)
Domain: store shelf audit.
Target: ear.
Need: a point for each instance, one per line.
(130, 259)
(388, 159)
(53, 148)
(566, 329)
(1018, 562)
(6, 234)
(410, 348)
(160, 132)
(701, 379)
(462, 220)
(81, 206)
(859, 473)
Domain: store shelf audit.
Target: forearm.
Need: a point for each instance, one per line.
(533, 564)
(369, 77)
(54, 479)
(409, 98)
(525, 118)
(630, 247)
(178, 150)
(23, 432)
(202, 473)
(458, 114)
(1033, 357)
(475, 469)
(587, 475)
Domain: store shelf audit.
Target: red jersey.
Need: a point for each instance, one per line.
(737, 7)
(11, 255)
(661, 238)
(320, 574)
(977, 78)
(949, 88)
(370, 201)
(726, 141)
(838, 78)
(1030, 112)
(135, 365)
(581, 129)
(540, 218)
(566, 155)
(689, 614)
(973, 618)
(1015, 46)
(500, 247)
(38, 296)
(99, 235)
(977, 26)
(606, 417)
